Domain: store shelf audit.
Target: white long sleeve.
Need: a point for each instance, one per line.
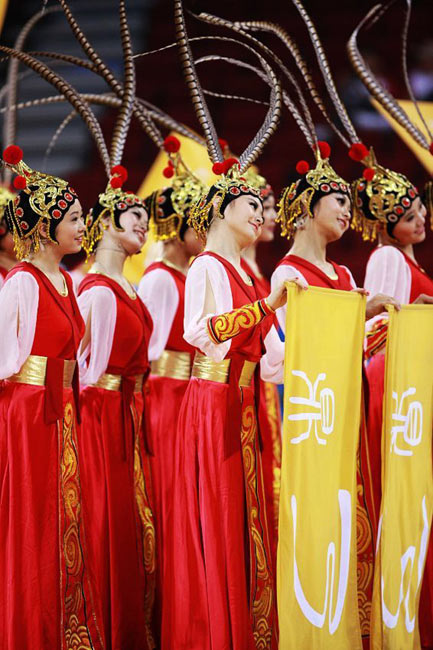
(19, 300)
(284, 273)
(159, 292)
(195, 293)
(100, 304)
(272, 363)
(388, 272)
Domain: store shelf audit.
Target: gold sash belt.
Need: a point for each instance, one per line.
(33, 372)
(206, 368)
(114, 382)
(176, 365)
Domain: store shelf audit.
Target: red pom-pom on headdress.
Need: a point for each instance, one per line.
(228, 164)
(168, 172)
(116, 182)
(171, 144)
(120, 170)
(358, 151)
(302, 167)
(369, 173)
(218, 168)
(324, 148)
(13, 154)
(223, 144)
(20, 182)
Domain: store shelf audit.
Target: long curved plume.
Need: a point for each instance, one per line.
(287, 40)
(326, 72)
(221, 22)
(123, 121)
(405, 70)
(155, 113)
(63, 87)
(198, 99)
(380, 94)
(10, 122)
(105, 72)
(62, 126)
(291, 107)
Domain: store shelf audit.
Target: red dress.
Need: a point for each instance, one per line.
(116, 479)
(270, 432)
(221, 595)
(45, 596)
(364, 515)
(166, 392)
(420, 283)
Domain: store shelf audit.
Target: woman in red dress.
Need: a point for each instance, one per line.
(113, 436)
(269, 405)
(45, 596)
(315, 210)
(7, 255)
(222, 587)
(162, 290)
(389, 205)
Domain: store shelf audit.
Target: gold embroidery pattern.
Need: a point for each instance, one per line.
(272, 410)
(226, 326)
(262, 600)
(142, 498)
(75, 629)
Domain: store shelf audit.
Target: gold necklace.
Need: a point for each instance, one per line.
(63, 292)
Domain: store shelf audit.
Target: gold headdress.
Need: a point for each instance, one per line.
(111, 203)
(42, 199)
(169, 207)
(228, 188)
(296, 199)
(380, 196)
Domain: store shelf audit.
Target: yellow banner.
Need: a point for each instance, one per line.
(316, 572)
(407, 479)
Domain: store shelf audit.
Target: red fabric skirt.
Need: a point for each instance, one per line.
(165, 400)
(376, 376)
(45, 597)
(219, 578)
(118, 517)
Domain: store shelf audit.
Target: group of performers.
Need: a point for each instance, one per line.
(140, 431)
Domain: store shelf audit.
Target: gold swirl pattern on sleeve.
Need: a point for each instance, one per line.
(143, 501)
(77, 614)
(262, 598)
(226, 326)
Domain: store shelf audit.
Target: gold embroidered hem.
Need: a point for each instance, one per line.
(262, 597)
(114, 382)
(34, 370)
(76, 612)
(206, 368)
(143, 498)
(172, 364)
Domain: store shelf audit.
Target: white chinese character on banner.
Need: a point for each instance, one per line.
(321, 409)
(337, 572)
(407, 595)
(409, 424)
